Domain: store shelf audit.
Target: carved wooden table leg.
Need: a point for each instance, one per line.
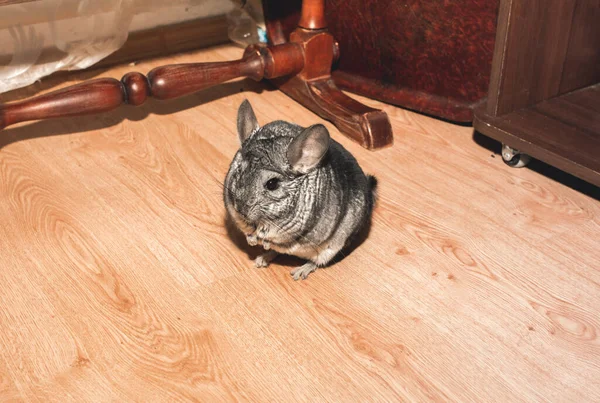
(314, 88)
(165, 82)
(369, 127)
(301, 68)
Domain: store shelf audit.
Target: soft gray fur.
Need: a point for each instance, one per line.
(296, 191)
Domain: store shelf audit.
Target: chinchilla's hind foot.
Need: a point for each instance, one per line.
(303, 271)
(265, 259)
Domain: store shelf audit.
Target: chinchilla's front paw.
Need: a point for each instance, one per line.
(261, 234)
(262, 231)
(252, 239)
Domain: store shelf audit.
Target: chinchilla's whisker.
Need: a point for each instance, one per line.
(222, 184)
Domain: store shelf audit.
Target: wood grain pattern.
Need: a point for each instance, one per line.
(531, 55)
(582, 61)
(120, 282)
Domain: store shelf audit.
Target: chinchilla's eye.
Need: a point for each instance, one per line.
(272, 184)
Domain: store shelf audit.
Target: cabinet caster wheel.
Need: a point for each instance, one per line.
(514, 158)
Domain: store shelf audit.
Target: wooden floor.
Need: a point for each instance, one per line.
(120, 282)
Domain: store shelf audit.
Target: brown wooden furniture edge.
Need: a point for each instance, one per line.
(500, 129)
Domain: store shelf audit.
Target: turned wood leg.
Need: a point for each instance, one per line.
(367, 126)
(314, 88)
(313, 15)
(165, 82)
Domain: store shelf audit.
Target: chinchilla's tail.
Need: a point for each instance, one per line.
(373, 187)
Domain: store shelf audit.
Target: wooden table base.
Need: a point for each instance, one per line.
(301, 68)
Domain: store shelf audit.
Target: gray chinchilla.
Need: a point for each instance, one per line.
(296, 191)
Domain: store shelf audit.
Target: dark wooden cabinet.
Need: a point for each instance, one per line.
(544, 94)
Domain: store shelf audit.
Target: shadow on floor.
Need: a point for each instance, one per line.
(86, 123)
(542, 168)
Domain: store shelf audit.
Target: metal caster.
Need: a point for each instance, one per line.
(514, 158)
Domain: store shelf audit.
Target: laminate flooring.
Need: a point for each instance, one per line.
(119, 280)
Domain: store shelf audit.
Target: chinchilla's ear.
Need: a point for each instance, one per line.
(246, 121)
(308, 148)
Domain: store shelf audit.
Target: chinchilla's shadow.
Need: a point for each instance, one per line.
(87, 123)
(354, 244)
(238, 238)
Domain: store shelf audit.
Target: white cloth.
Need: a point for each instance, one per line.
(41, 37)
